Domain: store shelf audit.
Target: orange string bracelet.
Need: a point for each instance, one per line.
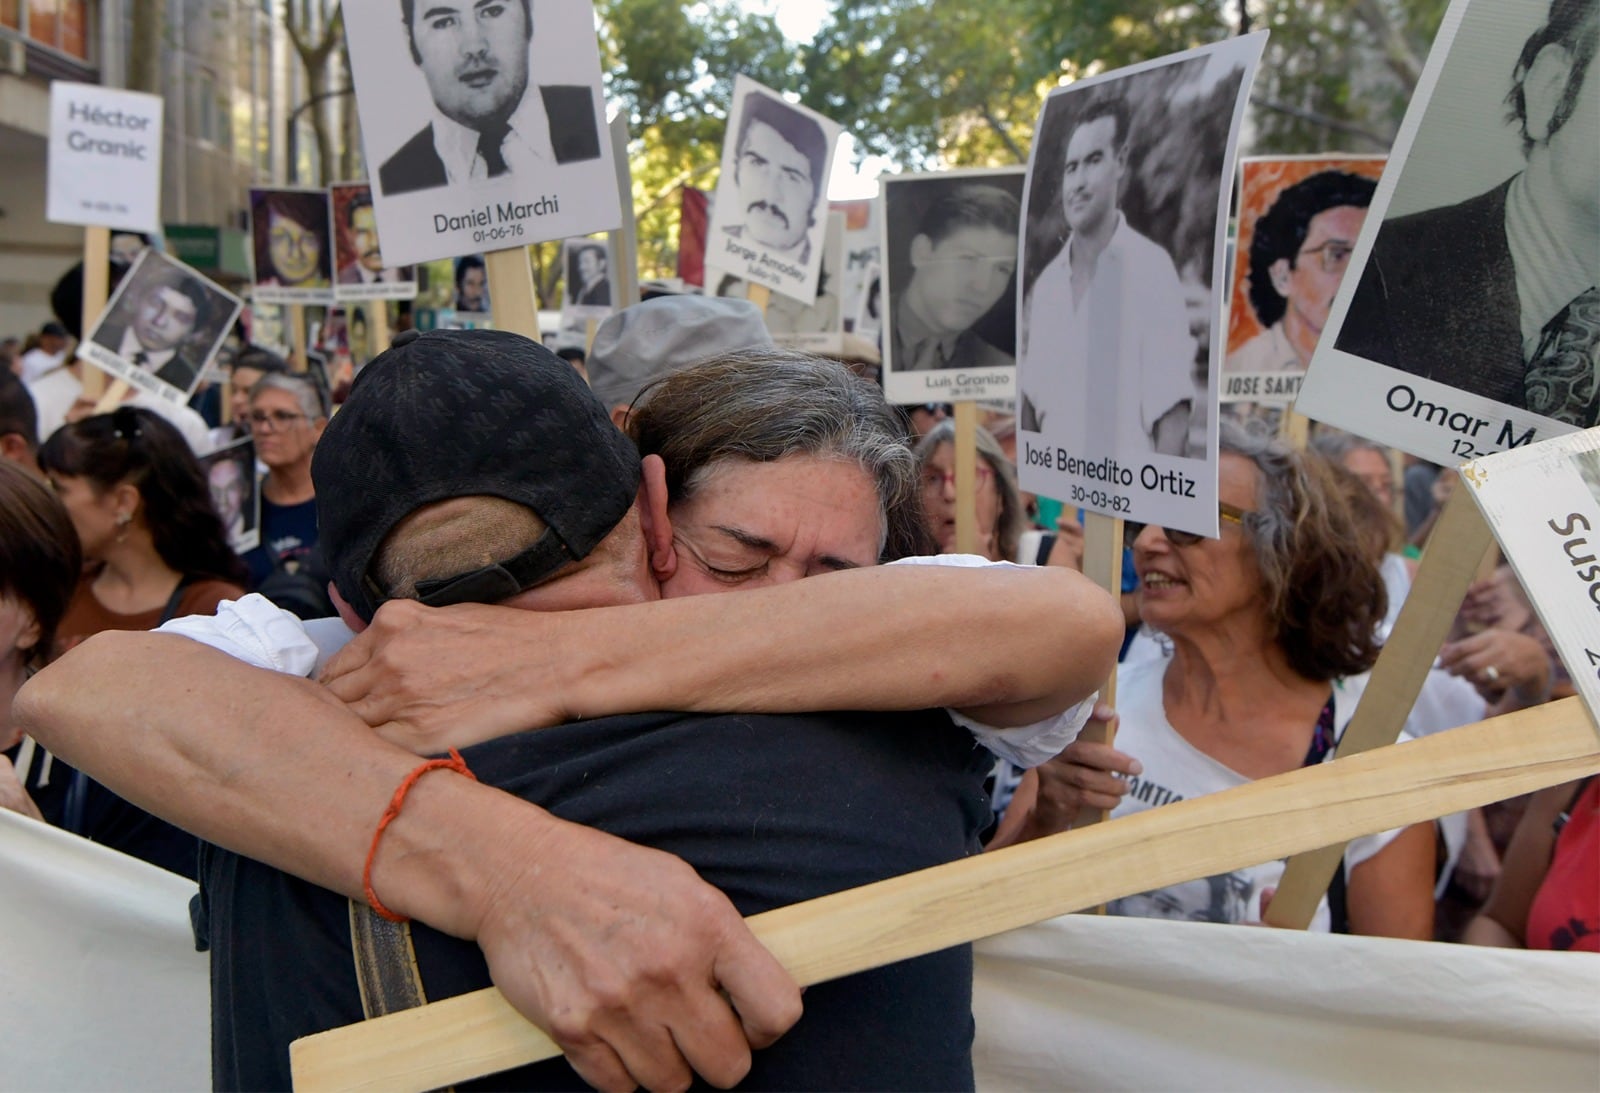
(455, 763)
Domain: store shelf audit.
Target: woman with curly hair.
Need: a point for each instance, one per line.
(1270, 631)
(138, 499)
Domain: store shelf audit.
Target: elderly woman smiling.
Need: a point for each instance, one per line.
(1271, 630)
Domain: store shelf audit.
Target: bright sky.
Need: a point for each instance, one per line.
(799, 20)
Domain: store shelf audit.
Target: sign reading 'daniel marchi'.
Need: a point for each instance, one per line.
(1543, 503)
(105, 157)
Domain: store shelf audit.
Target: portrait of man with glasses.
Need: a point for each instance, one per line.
(292, 250)
(1299, 249)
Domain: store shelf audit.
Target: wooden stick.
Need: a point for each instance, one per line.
(760, 295)
(1102, 563)
(624, 241)
(377, 325)
(1447, 570)
(966, 453)
(513, 302)
(297, 337)
(96, 290)
(112, 396)
(479, 1033)
(1295, 429)
(590, 327)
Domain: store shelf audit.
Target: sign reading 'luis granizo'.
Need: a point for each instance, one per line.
(105, 158)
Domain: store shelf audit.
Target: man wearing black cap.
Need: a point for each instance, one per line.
(539, 513)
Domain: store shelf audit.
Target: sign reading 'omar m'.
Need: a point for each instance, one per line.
(105, 157)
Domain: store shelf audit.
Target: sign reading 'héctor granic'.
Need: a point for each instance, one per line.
(105, 157)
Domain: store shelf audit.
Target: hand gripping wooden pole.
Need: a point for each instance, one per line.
(479, 1033)
(512, 301)
(1102, 564)
(1456, 548)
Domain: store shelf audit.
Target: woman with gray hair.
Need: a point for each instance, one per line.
(1000, 517)
(287, 416)
(1271, 630)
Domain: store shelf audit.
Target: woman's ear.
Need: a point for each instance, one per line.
(653, 518)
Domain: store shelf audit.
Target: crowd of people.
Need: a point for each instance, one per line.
(483, 541)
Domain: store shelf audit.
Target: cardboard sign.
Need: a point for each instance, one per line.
(485, 128)
(589, 288)
(816, 327)
(770, 211)
(161, 328)
(235, 492)
(1543, 504)
(104, 158)
(863, 248)
(950, 285)
(290, 236)
(869, 314)
(357, 256)
(1122, 258)
(1470, 322)
(1299, 217)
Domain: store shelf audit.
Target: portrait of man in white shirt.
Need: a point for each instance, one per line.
(474, 55)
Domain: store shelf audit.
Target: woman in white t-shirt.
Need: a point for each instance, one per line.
(1270, 631)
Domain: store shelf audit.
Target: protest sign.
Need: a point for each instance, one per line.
(289, 233)
(1543, 504)
(950, 259)
(1122, 256)
(586, 265)
(817, 327)
(863, 248)
(1470, 321)
(104, 159)
(163, 326)
(235, 492)
(869, 312)
(770, 209)
(357, 255)
(1299, 217)
(501, 150)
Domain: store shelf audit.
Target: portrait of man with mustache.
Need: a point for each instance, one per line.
(474, 55)
(778, 172)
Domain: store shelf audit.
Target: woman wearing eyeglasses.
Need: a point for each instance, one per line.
(1000, 516)
(287, 416)
(1270, 631)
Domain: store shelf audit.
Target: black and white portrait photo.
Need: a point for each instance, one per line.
(770, 211)
(231, 477)
(869, 313)
(485, 120)
(587, 265)
(1125, 226)
(817, 326)
(1477, 289)
(950, 241)
(162, 326)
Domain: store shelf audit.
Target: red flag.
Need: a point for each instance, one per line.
(692, 221)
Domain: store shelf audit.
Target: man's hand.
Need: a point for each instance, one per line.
(430, 679)
(636, 967)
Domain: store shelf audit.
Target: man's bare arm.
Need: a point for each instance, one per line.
(1005, 645)
(631, 945)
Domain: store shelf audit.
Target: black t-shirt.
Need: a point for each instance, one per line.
(288, 532)
(772, 810)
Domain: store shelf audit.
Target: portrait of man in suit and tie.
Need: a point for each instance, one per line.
(588, 276)
(489, 119)
(360, 258)
(1497, 295)
(164, 323)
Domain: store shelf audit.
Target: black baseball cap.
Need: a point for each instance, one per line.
(462, 413)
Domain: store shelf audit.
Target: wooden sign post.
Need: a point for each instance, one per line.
(479, 1033)
(378, 325)
(297, 337)
(1449, 566)
(512, 300)
(624, 240)
(96, 291)
(966, 459)
(1102, 563)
